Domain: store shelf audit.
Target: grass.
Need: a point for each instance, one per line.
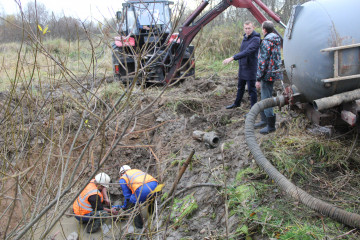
(316, 164)
(216, 44)
(183, 208)
(77, 56)
(206, 67)
(112, 91)
(276, 217)
(31, 61)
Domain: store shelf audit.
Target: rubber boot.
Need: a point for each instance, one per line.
(138, 221)
(151, 206)
(93, 226)
(270, 125)
(262, 122)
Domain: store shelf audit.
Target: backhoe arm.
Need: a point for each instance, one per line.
(187, 32)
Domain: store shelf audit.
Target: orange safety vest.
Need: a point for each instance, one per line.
(82, 205)
(136, 178)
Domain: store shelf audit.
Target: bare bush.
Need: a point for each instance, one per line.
(59, 124)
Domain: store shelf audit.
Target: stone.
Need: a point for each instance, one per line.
(73, 236)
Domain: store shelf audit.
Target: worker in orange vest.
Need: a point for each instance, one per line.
(136, 186)
(91, 203)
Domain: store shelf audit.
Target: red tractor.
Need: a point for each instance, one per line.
(146, 46)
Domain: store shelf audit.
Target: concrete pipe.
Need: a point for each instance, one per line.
(210, 138)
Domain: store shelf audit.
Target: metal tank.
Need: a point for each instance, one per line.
(322, 48)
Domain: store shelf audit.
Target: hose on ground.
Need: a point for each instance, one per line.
(326, 209)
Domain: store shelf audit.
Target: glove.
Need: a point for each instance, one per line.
(117, 207)
(115, 211)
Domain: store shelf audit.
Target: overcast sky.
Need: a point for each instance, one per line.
(77, 8)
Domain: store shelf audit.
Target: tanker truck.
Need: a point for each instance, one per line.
(322, 59)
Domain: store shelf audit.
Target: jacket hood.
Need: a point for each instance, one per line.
(253, 34)
(273, 37)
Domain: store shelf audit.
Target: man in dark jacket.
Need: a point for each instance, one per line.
(268, 72)
(248, 60)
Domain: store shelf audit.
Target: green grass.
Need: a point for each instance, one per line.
(183, 208)
(276, 217)
(315, 164)
(205, 67)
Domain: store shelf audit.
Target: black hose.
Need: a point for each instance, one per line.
(326, 209)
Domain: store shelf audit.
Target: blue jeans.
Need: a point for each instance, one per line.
(266, 92)
(241, 90)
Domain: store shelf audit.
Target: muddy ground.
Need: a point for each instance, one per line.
(158, 141)
(187, 107)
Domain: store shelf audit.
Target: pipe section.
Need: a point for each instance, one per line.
(336, 100)
(210, 138)
(326, 209)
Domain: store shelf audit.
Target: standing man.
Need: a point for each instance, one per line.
(136, 186)
(248, 60)
(90, 203)
(268, 72)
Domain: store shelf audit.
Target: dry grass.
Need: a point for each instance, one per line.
(48, 60)
(322, 165)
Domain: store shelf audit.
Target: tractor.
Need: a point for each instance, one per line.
(146, 45)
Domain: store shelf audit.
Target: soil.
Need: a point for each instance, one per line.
(192, 105)
(160, 140)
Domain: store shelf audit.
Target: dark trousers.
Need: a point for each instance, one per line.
(241, 90)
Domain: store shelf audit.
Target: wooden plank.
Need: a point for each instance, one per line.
(340, 78)
(340, 47)
(336, 64)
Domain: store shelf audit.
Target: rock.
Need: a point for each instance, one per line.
(203, 231)
(105, 228)
(160, 119)
(131, 229)
(73, 236)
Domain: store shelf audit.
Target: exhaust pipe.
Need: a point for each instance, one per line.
(336, 100)
(326, 209)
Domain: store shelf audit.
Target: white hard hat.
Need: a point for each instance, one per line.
(124, 168)
(103, 179)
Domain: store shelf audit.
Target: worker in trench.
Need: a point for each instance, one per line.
(137, 187)
(91, 202)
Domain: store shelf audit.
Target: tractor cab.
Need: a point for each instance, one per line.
(143, 17)
(144, 29)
